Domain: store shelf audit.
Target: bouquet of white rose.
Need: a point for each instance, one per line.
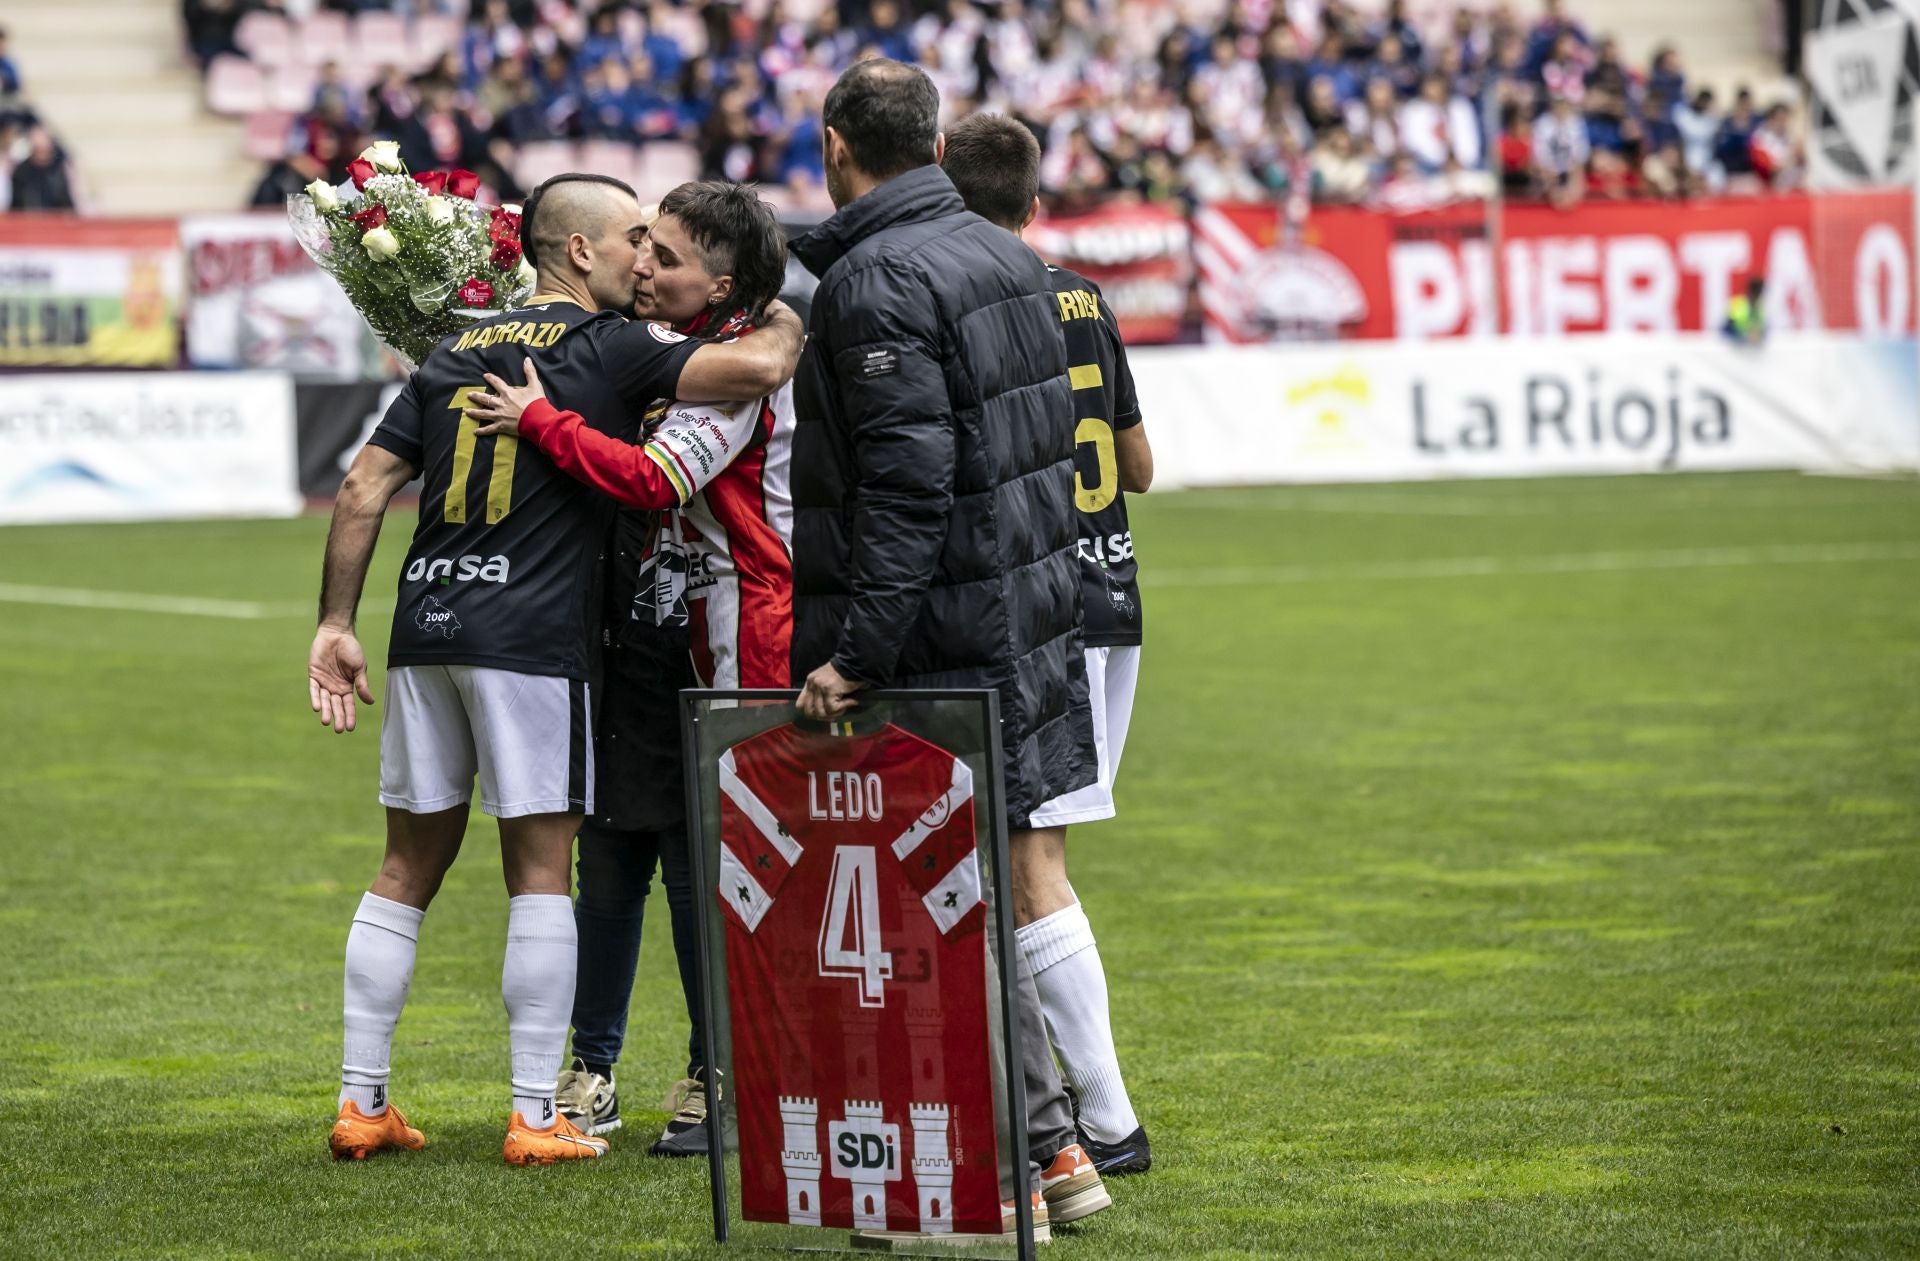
(416, 255)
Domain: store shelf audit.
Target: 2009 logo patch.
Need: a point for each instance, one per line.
(661, 333)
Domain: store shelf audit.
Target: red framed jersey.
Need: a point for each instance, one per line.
(856, 946)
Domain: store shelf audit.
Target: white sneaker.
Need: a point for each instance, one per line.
(588, 1100)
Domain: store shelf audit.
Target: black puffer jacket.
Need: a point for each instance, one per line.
(934, 528)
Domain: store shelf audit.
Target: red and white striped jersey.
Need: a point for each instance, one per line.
(856, 966)
(736, 520)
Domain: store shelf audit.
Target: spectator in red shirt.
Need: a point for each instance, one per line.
(1772, 150)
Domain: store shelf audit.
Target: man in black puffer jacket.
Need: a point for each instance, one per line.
(934, 531)
(935, 535)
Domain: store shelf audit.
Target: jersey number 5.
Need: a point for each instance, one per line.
(1093, 498)
(850, 929)
(499, 483)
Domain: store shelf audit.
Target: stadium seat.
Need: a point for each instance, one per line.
(543, 160)
(432, 35)
(608, 157)
(380, 39)
(269, 134)
(235, 86)
(664, 165)
(266, 38)
(290, 88)
(324, 37)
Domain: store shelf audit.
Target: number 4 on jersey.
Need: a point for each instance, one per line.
(850, 929)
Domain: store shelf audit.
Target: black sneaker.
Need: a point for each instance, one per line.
(686, 1132)
(1132, 1154)
(588, 1100)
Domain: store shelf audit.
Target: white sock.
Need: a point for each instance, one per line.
(380, 950)
(1073, 994)
(537, 985)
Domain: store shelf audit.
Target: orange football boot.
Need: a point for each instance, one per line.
(563, 1141)
(357, 1136)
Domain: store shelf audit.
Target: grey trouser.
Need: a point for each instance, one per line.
(1049, 1118)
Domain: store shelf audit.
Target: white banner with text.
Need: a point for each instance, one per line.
(147, 446)
(1524, 408)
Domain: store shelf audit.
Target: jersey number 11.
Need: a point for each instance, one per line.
(499, 483)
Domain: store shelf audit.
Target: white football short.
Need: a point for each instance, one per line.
(529, 737)
(1112, 675)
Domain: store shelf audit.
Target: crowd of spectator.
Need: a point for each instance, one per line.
(1278, 99)
(35, 173)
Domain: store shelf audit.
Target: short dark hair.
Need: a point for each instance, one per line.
(536, 235)
(889, 115)
(995, 163)
(738, 234)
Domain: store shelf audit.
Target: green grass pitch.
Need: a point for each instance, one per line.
(1504, 869)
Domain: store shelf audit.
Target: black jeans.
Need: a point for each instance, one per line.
(615, 872)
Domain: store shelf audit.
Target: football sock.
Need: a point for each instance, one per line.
(1073, 994)
(380, 950)
(537, 985)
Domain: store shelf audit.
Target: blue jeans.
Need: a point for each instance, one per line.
(615, 872)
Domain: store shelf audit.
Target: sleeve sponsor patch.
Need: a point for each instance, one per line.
(878, 363)
(663, 334)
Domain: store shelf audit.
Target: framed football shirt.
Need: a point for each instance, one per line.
(852, 939)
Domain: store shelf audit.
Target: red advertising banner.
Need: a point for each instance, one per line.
(1138, 255)
(1834, 261)
(1261, 279)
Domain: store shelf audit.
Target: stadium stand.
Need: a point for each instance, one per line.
(109, 79)
(1409, 104)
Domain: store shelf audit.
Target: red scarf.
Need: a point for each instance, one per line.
(736, 325)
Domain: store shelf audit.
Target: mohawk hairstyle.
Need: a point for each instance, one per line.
(535, 233)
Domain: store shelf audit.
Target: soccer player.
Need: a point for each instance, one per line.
(490, 649)
(713, 259)
(995, 163)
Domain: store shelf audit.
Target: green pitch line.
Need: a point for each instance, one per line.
(1489, 889)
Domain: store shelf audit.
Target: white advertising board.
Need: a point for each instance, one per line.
(1521, 408)
(146, 446)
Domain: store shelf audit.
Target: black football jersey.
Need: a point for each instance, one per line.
(502, 569)
(1105, 401)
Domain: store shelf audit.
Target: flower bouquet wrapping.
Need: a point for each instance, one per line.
(416, 255)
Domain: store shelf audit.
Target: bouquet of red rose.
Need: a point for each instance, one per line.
(417, 256)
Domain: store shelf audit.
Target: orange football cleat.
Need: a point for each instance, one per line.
(357, 1136)
(563, 1141)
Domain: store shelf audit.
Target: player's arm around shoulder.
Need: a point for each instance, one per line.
(336, 663)
(748, 368)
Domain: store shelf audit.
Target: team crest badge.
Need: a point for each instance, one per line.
(937, 813)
